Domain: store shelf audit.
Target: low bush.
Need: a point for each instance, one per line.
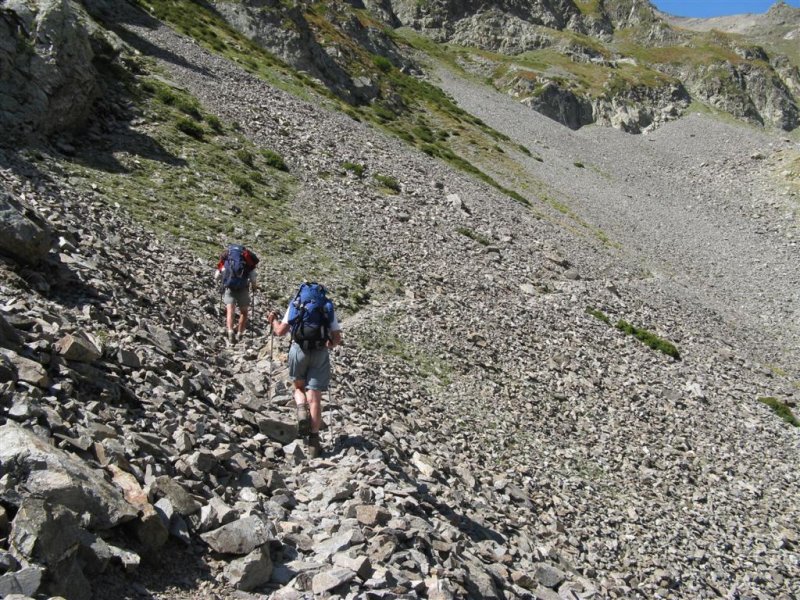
(387, 181)
(650, 339)
(780, 409)
(599, 314)
(474, 235)
(245, 156)
(190, 128)
(274, 160)
(243, 183)
(356, 169)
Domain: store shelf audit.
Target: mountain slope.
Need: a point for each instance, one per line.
(489, 437)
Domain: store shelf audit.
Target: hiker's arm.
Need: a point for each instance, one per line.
(278, 327)
(252, 278)
(336, 338)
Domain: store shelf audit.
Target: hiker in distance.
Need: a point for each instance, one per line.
(237, 271)
(312, 322)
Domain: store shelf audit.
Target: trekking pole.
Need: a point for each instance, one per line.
(269, 378)
(330, 405)
(253, 309)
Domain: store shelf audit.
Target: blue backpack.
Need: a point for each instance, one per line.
(239, 262)
(311, 315)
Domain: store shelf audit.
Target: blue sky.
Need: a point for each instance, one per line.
(715, 8)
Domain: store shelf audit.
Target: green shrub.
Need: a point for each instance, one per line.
(387, 181)
(190, 128)
(780, 409)
(188, 106)
(383, 113)
(424, 133)
(355, 168)
(274, 160)
(599, 314)
(474, 235)
(524, 150)
(580, 165)
(245, 156)
(243, 183)
(651, 339)
(383, 63)
(214, 122)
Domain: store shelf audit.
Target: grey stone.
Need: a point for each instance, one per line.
(360, 565)
(331, 579)
(60, 478)
(27, 370)
(77, 348)
(8, 370)
(23, 235)
(183, 502)
(241, 536)
(549, 576)
(25, 582)
(278, 430)
(371, 515)
(251, 571)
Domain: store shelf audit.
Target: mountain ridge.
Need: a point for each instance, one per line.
(498, 426)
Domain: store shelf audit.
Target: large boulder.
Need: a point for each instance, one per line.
(24, 236)
(31, 467)
(47, 78)
(50, 535)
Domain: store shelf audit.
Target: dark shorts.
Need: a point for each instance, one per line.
(313, 367)
(239, 297)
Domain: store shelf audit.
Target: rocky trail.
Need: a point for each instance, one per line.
(487, 437)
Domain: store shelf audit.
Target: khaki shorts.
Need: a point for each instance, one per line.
(239, 297)
(313, 367)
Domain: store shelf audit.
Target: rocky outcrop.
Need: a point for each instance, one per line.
(632, 109)
(442, 18)
(290, 34)
(23, 234)
(49, 80)
(745, 88)
(560, 104)
(747, 91)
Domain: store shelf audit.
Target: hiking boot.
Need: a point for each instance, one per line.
(303, 420)
(231, 336)
(314, 447)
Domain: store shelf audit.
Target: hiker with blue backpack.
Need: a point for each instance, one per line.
(237, 271)
(311, 319)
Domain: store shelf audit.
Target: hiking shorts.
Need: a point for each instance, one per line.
(240, 298)
(313, 367)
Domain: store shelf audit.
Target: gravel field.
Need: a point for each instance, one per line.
(690, 200)
(488, 438)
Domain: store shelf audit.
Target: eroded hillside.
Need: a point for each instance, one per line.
(564, 350)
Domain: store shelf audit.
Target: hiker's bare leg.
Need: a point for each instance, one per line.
(230, 311)
(315, 408)
(243, 318)
(299, 392)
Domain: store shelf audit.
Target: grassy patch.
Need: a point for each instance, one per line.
(274, 160)
(179, 180)
(209, 29)
(599, 314)
(780, 409)
(356, 169)
(474, 235)
(190, 128)
(650, 339)
(390, 344)
(388, 182)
